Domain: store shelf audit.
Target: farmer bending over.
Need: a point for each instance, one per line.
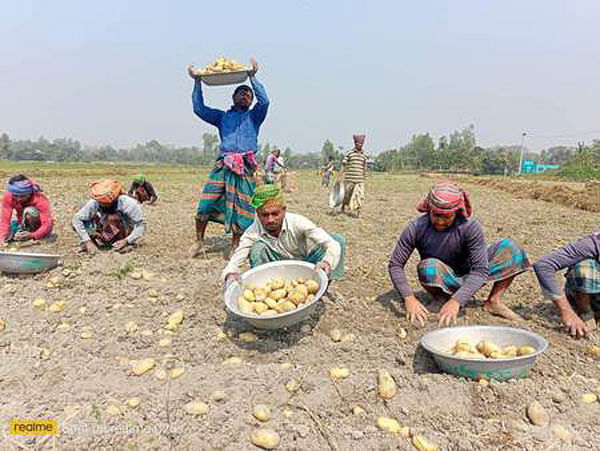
(33, 218)
(580, 299)
(142, 190)
(278, 235)
(109, 219)
(455, 263)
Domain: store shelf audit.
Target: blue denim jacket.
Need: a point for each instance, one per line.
(238, 131)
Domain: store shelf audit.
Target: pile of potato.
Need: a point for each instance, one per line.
(277, 296)
(222, 65)
(486, 349)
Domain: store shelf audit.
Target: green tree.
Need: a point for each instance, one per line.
(4, 146)
(328, 150)
(209, 146)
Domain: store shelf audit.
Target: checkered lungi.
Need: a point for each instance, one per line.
(584, 277)
(506, 259)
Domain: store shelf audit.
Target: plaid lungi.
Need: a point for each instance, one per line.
(226, 198)
(261, 253)
(354, 195)
(506, 259)
(584, 277)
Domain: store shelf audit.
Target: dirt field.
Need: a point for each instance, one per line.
(47, 370)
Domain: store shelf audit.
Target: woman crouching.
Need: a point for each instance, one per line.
(455, 262)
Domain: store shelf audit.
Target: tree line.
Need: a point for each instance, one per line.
(457, 152)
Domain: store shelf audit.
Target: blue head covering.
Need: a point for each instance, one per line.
(22, 187)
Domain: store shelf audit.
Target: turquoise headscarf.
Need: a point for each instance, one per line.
(140, 178)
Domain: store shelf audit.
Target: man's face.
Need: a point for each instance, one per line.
(442, 222)
(22, 198)
(106, 205)
(358, 145)
(243, 98)
(271, 218)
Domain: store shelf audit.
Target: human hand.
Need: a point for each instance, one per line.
(192, 72)
(23, 236)
(573, 323)
(326, 267)
(449, 312)
(90, 247)
(120, 244)
(415, 311)
(252, 72)
(231, 278)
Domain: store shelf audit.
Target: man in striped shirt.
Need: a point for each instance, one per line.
(354, 168)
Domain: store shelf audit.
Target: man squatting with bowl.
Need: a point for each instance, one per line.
(278, 235)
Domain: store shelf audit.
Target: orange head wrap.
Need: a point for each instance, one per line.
(106, 191)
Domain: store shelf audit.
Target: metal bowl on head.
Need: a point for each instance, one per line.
(439, 342)
(288, 269)
(27, 263)
(225, 78)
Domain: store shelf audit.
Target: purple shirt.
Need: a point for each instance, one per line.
(462, 247)
(270, 164)
(571, 254)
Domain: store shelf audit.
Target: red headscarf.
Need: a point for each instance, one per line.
(445, 197)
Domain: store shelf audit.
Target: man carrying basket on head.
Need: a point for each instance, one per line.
(227, 194)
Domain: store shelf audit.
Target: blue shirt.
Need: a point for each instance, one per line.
(238, 130)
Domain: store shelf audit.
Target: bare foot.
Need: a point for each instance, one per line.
(196, 249)
(499, 309)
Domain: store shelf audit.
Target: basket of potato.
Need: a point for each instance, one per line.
(223, 71)
(484, 352)
(276, 294)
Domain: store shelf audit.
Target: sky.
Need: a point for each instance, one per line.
(114, 72)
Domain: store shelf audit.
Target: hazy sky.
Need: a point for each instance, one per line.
(114, 71)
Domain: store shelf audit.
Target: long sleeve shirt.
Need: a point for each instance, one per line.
(298, 238)
(462, 247)
(238, 130)
(37, 200)
(128, 207)
(571, 254)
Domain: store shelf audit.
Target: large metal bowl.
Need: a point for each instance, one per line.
(225, 78)
(27, 263)
(439, 342)
(288, 269)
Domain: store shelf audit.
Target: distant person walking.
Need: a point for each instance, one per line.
(354, 169)
(274, 167)
(227, 194)
(326, 173)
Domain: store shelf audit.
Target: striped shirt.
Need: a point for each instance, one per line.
(355, 163)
